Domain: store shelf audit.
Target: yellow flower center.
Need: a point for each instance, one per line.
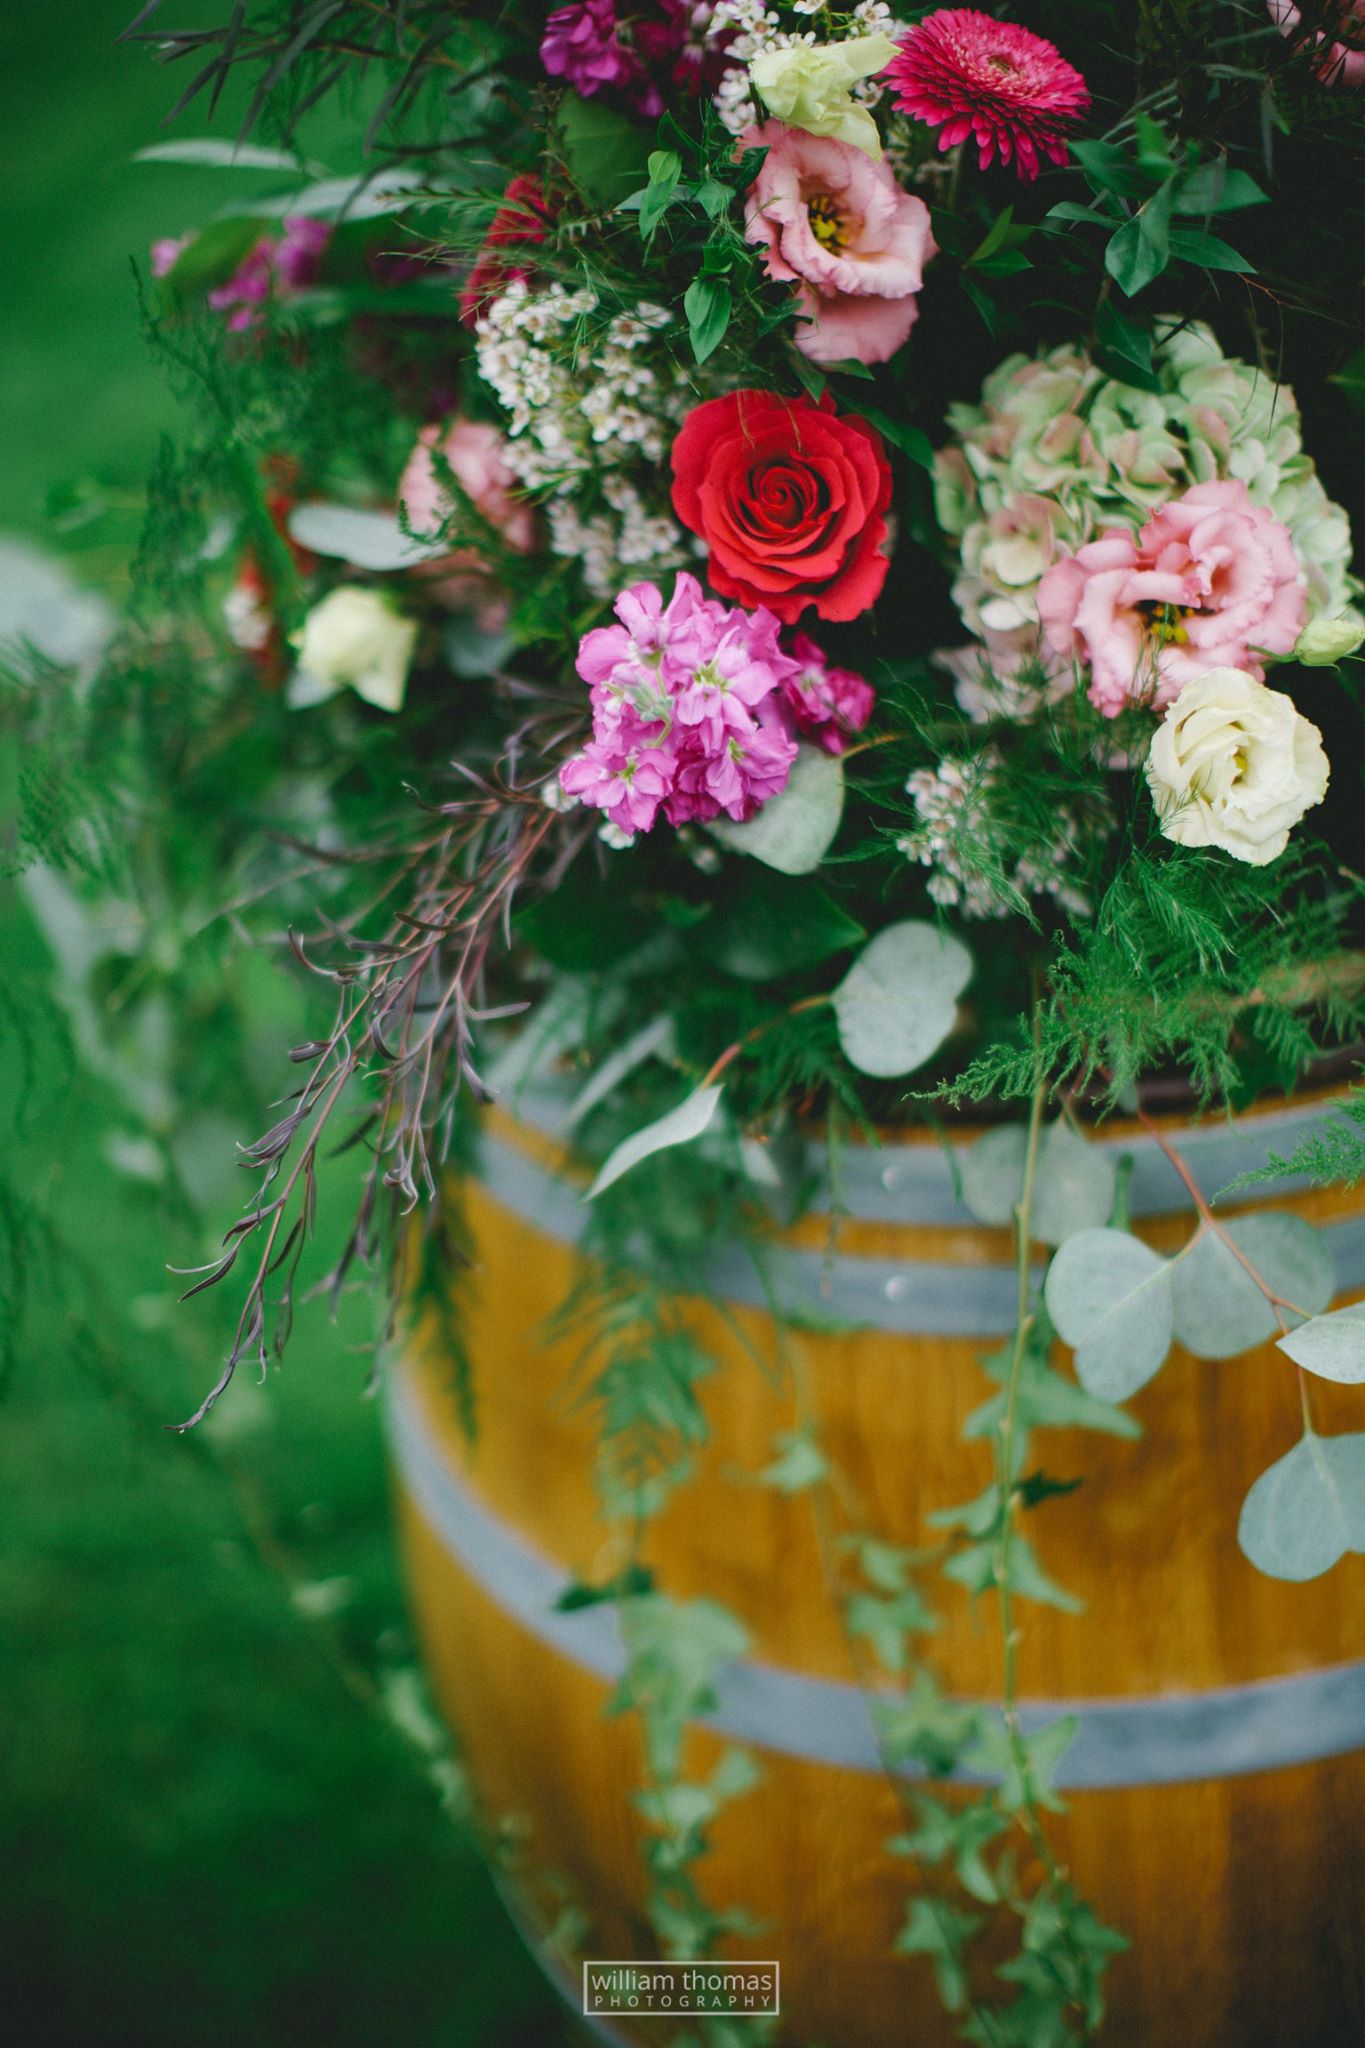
(827, 223)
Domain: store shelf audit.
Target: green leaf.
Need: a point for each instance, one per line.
(1140, 251)
(795, 829)
(707, 304)
(1193, 245)
(886, 1623)
(941, 1932)
(1217, 188)
(665, 174)
(801, 1464)
(1025, 1768)
(713, 198)
(366, 539)
(212, 255)
(911, 440)
(1332, 1346)
(923, 1726)
(1111, 169)
(1110, 1298)
(1350, 378)
(1128, 342)
(769, 924)
(1219, 1311)
(605, 153)
(898, 1001)
(1047, 1401)
(691, 1117)
(1308, 1509)
(1069, 210)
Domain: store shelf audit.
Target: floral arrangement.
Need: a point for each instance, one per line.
(778, 565)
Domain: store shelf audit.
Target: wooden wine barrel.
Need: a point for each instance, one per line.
(1216, 1786)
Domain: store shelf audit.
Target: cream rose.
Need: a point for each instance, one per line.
(1234, 765)
(354, 638)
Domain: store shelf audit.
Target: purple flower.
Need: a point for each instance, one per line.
(583, 44)
(825, 704)
(288, 264)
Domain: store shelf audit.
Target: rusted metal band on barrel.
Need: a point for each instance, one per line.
(908, 1296)
(917, 1183)
(1169, 1738)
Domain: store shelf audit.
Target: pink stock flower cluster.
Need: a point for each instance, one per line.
(594, 51)
(284, 263)
(696, 708)
(1211, 581)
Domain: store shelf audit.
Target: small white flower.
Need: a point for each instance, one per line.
(1234, 765)
(354, 638)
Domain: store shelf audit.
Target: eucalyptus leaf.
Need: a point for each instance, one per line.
(1074, 1181)
(1110, 1298)
(650, 1039)
(898, 1001)
(216, 152)
(795, 829)
(367, 540)
(1219, 1309)
(992, 1173)
(691, 1117)
(1332, 1346)
(1308, 1509)
(1074, 1185)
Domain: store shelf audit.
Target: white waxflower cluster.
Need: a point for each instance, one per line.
(953, 805)
(592, 408)
(623, 544)
(1056, 451)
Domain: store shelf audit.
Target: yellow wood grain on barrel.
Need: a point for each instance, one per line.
(1172, 1603)
(1244, 1897)
(1243, 1894)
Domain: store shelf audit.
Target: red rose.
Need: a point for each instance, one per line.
(525, 213)
(790, 498)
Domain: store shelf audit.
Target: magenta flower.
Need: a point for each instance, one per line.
(582, 45)
(969, 75)
(825, 704)
(288, 264)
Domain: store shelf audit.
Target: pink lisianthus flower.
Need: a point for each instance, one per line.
(1341, 58)
(835, 222)
(475, 455)
(1211, 581)
(582, 45)
(825, 704)
(971, 76)
(685, 710)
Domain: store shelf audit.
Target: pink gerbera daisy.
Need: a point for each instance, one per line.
(968, 74)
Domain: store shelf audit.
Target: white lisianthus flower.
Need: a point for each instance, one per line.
(807, 86)
(1234, 765)
(1325, 642)
(354, 638)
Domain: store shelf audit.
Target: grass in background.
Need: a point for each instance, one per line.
(206, 1839)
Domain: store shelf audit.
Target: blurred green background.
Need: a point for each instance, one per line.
(222, 1813)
